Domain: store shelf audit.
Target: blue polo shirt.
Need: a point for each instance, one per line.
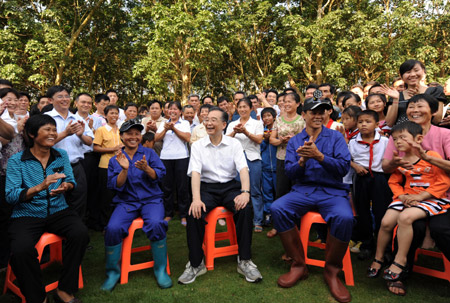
(326, 175)
(139, 187)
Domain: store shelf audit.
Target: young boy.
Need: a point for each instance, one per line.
(148, 139)
(370, 182)
(418, 193)
(269, 163)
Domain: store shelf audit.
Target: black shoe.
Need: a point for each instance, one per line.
(364, 254)
(393, 276)
(373, 272)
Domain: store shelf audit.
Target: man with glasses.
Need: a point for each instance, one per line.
(73, 134)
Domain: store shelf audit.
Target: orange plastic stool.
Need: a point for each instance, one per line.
(444, 275)
(307, 220)
(127, 249)
(209, 242)
(55, 243)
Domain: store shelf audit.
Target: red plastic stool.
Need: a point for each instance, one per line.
(307, 220)
(127, 250)
(55, 243)
(209, 242)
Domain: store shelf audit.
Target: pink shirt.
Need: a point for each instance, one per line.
(437, 139)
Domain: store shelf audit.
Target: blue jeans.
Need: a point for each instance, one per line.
(255, 171)
(269, 183)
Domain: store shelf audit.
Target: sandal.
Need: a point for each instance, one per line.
(391, 276)
(258, 229)
(399, 285)
(374, 272)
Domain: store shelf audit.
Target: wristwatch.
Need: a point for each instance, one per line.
(245, 191)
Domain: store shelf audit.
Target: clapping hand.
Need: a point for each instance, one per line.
(122, 160)
(142, 164)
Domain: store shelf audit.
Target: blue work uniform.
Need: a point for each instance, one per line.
(269, 173)
(139, 196)
(318, 186)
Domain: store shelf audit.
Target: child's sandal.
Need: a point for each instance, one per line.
(393, 276)
(374, 272)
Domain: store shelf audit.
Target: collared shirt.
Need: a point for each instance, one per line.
(122, 116)
(102, 119)
(106, 137)
(252, 149)
(139, 187)
(198, 133)
(159, 121)
(71, 144)
(236, 116)
(326, 175)
(368, 155)
(24, 172)
(11, 121)
(217, 164)
(96, 124)
(173, 147)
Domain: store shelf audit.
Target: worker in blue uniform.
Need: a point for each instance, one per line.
(316, 160)
(134, 174)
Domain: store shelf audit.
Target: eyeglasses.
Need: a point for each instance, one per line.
(60, 97)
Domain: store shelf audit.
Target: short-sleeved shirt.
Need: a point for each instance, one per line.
(285, 128)
(366, 155)
(198, 133)
(217, 164)
(251, 148)
(97, 122)
(71, 144)
(105, 136)
(173, 147)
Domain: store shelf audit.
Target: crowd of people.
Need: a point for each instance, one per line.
(368, 159)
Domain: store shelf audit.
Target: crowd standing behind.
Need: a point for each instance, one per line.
(344, 153)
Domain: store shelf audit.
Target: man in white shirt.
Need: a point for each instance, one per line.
(113, 98)
(73, 135)
(215, 162)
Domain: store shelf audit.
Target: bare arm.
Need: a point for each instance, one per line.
(182, 135)
(6, 130)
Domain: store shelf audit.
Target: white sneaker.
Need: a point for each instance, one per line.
(249, 270)
(190, 273)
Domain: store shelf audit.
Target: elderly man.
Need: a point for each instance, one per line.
(215, 162)
(316, 159)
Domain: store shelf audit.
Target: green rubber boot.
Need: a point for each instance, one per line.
(159, 249)
(112, 266)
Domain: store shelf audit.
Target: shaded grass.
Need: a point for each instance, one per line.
(224, 284)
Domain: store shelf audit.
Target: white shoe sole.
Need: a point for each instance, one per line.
(201, 272)
(247, 278)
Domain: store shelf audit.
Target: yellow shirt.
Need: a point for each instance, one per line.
(105, 136)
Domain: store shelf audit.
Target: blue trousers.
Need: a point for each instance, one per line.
(123, 215)
(335, 210)
(269, 183)
(255, 171)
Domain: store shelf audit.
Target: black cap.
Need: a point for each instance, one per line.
(316, 101)
(131, 124)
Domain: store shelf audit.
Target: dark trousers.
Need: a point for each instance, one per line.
(214, 195)
(90, 166)
(176, 179)
(25, 232)
(76, 199)
(284, 184)
(370, 188)
(5, 214)
(103, 208)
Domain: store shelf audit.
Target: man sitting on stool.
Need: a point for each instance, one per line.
(316, 159)
(214, 164)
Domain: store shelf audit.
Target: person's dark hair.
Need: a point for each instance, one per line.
(409, 65)
(269, 110)
(205, 97)
(34, 110)
(239, 92)
(312, 85)
(246, 101)
(223, 116)
(111, 91)
(101, 97)
(272, 90)
(7, 90)
(56, 89)
(252, 97)
(142, 109)
(351, 95)
(295, 96)
(177, 104)
(110, 107)
(188, 106)
(21, 94)
(344, 95)
(289, 90)
(131, 104)
(411, 127)
(332, 87)
(223, 98)
(153, 102)
(40, 97)
(352, 111)
(148, 136)
(6, 82)
(82, 94)
(432, 101)
(381, 96)
(47, 108)
(208, 106)
(281, 95)
(368, 112)
(193, 95)
(374, 86)
(33, 124)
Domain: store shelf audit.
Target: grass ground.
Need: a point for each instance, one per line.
(224, 284)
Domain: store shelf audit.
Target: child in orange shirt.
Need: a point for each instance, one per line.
(418, 193)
